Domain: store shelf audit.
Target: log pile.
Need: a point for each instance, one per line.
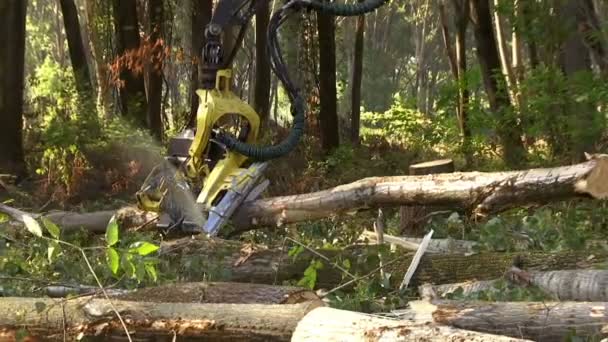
(249, 306)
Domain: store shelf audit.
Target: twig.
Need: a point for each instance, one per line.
(101, 287)
(361, 277)
(146, 223)
(334, 264)
(379, 229)
(416, 260)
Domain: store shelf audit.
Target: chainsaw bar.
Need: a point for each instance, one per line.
(245, 186)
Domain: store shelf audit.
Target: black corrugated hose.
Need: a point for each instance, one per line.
(298, 104)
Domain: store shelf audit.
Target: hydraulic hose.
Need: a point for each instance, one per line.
(277, 63)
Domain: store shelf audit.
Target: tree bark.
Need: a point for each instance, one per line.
(94, 318)
(549, 321)
(482, 193)
(507, 67)
(328, 113)
(76, 47)
(104, 96)
(357, 78)
(327, 324)
(256, 264)
(508, 129)
(12, 54)
(262, 61)
(133, 94)
(574, 285)
(201, 15)
(155, 69)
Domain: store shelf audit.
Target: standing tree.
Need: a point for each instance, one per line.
(328, 114)
(76, 47)
(508, 129)
(261, 97)
(155, 73)
(12, 34)
(201, 15)
(357, 77)
(133, 93)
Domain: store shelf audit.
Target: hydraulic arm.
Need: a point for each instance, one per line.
(212, 168)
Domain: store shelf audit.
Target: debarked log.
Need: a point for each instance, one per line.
(537, 321)
(327, 324)
(482, 193)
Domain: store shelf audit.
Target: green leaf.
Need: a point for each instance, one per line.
(52, 250)
(32, 225)
(127, 265)
(51, 227)
(151, 270)
(113, 259)
(140, 272)
(21, 334)
(143, 248)
(112, 232)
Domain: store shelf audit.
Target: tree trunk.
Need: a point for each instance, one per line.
(262, 62)
(328, 114)
(483, 193)
(583, 127)
(327, 324)
(357, 77)
(76, 48)
(507, 67)
(104, 96)
(508, 129)
(133, 94)
(201, 15)
(595, 40)
(12, 54)
(155, 69)
(548, 321)
(94, 318)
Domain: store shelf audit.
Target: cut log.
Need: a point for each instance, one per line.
(574, 285)
(96, 222)
(326, 324)
(257, 264)
(441, 246)
(482, 193)
(478, 192)
(50, 319)
(548, 321)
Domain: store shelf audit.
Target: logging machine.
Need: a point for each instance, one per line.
(212, 168)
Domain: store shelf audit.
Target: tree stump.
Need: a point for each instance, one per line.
(411, 218)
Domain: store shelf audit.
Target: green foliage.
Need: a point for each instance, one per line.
(309, 279)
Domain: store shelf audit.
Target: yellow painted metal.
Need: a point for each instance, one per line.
(214, 104)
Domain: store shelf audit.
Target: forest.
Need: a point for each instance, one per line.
(304, 170)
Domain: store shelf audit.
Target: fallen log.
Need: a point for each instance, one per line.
(96, 222)
(326, 324)
(258, 264)
(574, 285)
(482, 193)
(50, 319)
(222, 292)
(548, 321)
